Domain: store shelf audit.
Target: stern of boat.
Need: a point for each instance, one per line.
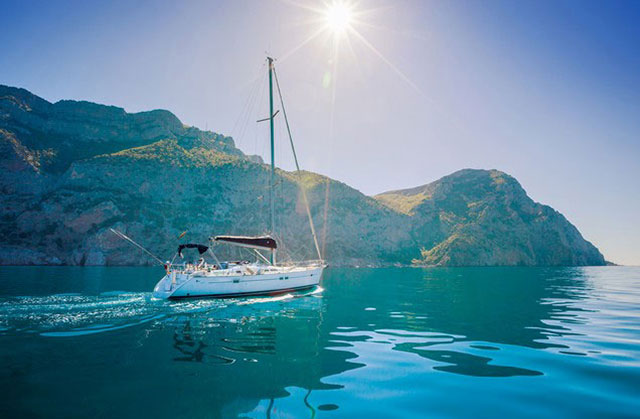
(165, 287)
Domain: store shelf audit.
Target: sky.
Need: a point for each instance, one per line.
(547, 90)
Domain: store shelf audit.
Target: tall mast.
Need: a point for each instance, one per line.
(273, 163)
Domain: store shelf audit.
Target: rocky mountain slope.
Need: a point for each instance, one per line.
(72, 170)
(484, 217)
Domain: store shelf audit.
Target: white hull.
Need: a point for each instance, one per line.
(237, 282)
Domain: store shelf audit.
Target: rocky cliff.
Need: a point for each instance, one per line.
(72, 170)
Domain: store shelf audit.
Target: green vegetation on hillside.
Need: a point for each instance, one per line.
(73, 170)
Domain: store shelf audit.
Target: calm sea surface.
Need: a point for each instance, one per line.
(530, 342)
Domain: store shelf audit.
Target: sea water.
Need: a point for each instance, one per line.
(397, 342)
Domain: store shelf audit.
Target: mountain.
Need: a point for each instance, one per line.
(71, 170)
(484, 217)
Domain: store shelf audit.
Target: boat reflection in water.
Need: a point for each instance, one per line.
(258, 349)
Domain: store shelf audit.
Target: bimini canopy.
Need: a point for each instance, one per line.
(262, 242)
(201, 248)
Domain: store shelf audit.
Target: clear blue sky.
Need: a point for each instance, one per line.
(547, 90)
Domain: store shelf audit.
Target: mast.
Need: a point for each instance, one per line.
(273, 164)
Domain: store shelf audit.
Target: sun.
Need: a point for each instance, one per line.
(338, 23)
(338, 17)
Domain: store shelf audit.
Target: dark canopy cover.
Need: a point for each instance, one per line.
(201, 248)
(262, 242)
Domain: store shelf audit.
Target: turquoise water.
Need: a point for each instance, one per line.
(528, 342)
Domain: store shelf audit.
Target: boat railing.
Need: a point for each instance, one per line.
(303, 263)
(192, 267)
(200, 266)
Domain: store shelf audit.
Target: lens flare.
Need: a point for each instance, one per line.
(339, 17)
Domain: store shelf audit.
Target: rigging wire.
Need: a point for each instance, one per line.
(242, 122)
(256, 136)
(260, 197)
(125, 237)
(246, 116)
(295, 157)
(240, 128)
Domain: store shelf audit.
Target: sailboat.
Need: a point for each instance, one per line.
(243, 278)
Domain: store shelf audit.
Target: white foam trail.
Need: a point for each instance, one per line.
(90, 330)
(64, 315)
(317, 290)
(265, 300)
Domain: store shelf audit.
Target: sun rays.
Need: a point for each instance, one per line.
(337, 22)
